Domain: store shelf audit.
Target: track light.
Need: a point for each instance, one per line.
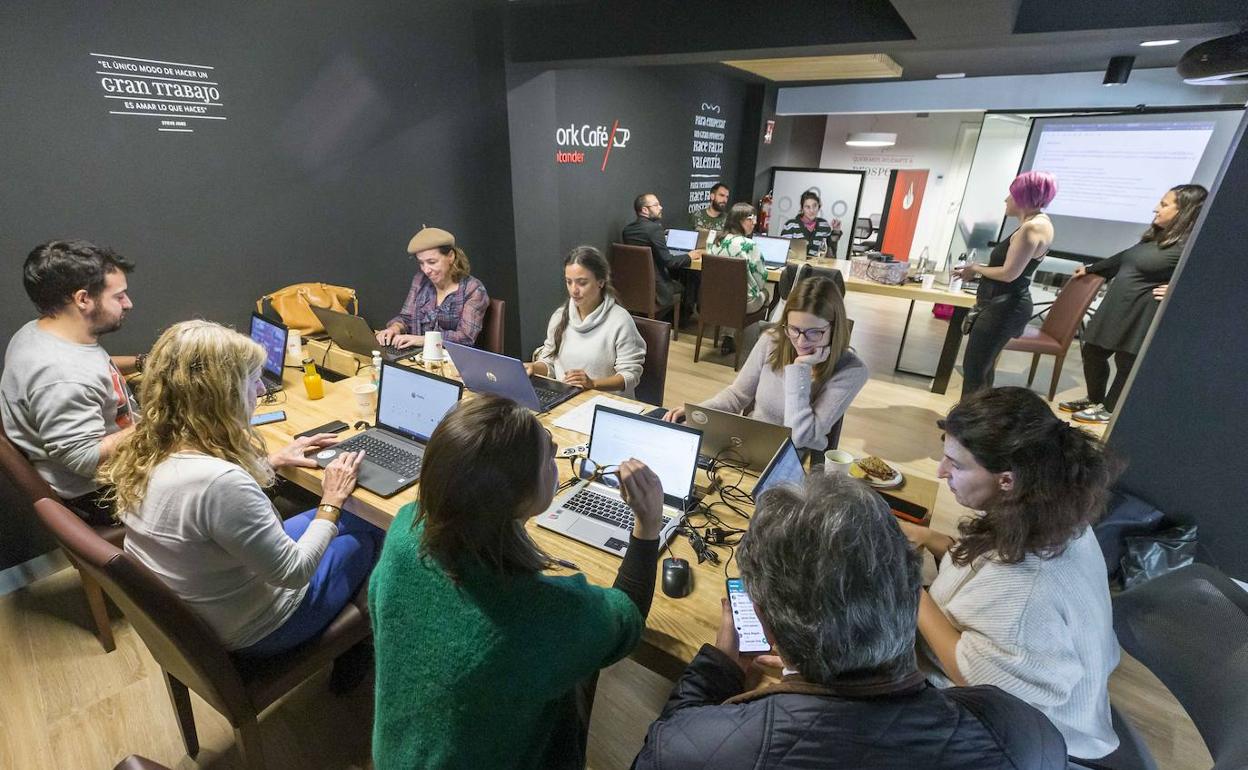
(1118, 71)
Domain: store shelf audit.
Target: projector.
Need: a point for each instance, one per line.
(1222, 61)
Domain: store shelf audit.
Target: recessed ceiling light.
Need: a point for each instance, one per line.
(871, 139)
(950, 75)
(1155, 43)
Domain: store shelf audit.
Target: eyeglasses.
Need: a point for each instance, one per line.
(608, 475)
(810, 335)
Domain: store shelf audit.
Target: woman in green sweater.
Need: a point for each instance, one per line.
(483, 660)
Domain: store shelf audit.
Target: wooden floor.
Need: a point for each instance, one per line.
(64, 703)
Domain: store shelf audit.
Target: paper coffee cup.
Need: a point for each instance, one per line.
(365, 400)
(433, 346)
(294, 347)
(836, 462)
(929, 281)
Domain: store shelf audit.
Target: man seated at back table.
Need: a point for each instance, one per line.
(836, 587)
(713, 216)
(647, 230)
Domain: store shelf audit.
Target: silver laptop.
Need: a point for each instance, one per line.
(410, 404)
(735, 438)
(486, 372)
(353, 334)
(592, 511)
(775, 250)
(785, 468)
(682, 241)
(272, 337)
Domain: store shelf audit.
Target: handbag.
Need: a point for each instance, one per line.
(294, 303)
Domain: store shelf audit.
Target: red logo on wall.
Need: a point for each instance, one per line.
(571, 136)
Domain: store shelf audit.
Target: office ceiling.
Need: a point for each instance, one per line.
(925, 37)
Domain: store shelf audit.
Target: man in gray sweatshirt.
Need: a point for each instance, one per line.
(63, 399)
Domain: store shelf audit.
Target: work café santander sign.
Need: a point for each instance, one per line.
(574, 143)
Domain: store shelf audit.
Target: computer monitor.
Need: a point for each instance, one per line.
(682, 240)
(775, 250)
(784, 468)
(412, 403)
(668, 449)
(272, 337)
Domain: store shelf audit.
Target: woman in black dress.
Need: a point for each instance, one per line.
(1003, 302)
(1140, 276)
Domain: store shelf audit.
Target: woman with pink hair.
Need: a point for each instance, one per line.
(1003, 303)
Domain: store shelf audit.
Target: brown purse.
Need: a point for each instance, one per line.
(293, 304)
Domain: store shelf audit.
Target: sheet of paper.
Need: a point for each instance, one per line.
(581, 419)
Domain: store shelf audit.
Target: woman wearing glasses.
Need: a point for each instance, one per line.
(802, 374)
(739, 244)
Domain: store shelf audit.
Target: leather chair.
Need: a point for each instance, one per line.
(632, 274)
(31, 486)
(1054, 336)
(654, 369)
(794, 273)
(722, 301)
(491, 337)
(189, 653)
(135, 762)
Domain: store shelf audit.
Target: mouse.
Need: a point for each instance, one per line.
(677, 577)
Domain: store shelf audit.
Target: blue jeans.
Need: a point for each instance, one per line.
(344, 567)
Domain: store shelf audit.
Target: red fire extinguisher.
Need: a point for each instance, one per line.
(764, 211)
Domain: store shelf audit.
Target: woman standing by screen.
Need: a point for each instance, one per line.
(1003, 302)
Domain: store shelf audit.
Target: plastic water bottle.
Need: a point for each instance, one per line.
(375, 377)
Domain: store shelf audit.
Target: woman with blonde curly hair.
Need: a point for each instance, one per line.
(189, 490)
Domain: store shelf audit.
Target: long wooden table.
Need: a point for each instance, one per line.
(675, 629)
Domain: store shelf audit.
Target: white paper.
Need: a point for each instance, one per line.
(581, 419)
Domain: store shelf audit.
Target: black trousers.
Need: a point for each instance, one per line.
(1096, 372)
(93, 509)
(1002, 319)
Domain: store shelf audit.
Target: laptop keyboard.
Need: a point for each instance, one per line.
(392, 352)
(547, 396)
(384, 454)
(608, 509)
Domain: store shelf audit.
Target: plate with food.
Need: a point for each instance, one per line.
(876, 472)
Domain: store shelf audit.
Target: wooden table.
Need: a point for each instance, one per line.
(675, 629)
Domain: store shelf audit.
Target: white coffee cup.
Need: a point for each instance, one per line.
(836, 462)
(433, 346)
(294, 346)
(365, 400)
(929, 281)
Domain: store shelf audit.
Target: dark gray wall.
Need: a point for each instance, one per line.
(347, 128)
(1185, 418)
(796, 142)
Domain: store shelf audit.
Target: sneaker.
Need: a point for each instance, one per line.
(1095, 415)
(1076, 406)
(727, 345)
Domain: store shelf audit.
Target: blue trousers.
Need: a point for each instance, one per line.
(347, 563)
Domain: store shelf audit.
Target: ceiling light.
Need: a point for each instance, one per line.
(1118, 71)
(1156, 43)
(950, 75)
(870, 139)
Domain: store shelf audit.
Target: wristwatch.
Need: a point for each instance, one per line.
(328, 508)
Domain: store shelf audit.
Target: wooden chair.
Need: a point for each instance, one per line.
(491, 337)
(1054, 336)
(632, 273)
(32, 487)
(721, 301)
(654, 370)
(188, 651)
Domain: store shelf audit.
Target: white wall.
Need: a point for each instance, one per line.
(922, 143)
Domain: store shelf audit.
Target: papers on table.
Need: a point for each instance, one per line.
(581, 419)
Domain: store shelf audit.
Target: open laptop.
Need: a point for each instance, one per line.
(733, 437)
(775, 250)
(272, 337)
(486, 372)
(682, 241)
(785, 468)
(410, 404)
(353, 334)
(592, 511)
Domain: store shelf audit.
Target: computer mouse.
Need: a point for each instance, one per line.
(677, 577)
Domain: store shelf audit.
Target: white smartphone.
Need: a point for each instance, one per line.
(750, 636)
(268, 417)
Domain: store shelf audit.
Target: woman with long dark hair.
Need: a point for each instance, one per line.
(1139, 278)
(1021, 600)
(817, 231)
(591, 342)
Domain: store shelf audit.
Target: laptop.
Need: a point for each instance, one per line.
(353, 334)
(733, 437)
(785, 468)
(775, 250)
(592, 511)
(410, 404)
(486, 372)
(272, 337)
(682, 241)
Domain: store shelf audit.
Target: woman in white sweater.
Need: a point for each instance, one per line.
(189, 491)
(801, 374)
(591, 342)
(1021, 600)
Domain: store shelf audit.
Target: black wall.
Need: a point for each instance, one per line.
(796, 142)
(347, 128)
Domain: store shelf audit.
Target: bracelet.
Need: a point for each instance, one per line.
(327, 507)
(140, 361)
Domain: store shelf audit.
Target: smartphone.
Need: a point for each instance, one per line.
(904, 509)
(750, 636)
(268, 417)
(337, 426)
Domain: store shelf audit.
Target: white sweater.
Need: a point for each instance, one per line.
(208, 532)
(1042, 630)
(604, 343)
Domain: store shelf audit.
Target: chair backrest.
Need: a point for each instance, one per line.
(178, 639)
(721, 299)
(658, 335)
(834, 435)
(632, 274)
(862, 227)
(1068, 308)
(21, 473)
(1189, 628)
(807, 270)
(491, 337)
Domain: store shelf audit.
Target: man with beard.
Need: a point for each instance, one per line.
(647, 230)
(713, 216)
(63, 399)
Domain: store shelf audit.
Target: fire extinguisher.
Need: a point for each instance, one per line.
(764, 211)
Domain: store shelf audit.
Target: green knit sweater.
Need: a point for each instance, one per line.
(475, 675)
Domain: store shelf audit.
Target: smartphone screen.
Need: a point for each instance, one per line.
(750, 637)
(268, 417)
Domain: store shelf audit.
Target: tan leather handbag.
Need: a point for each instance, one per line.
(293, 304)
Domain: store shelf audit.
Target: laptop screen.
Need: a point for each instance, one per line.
(775, 250)
(670, 450)
(272, 337)
(683, 240)
(784, 468)
(412, 403)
